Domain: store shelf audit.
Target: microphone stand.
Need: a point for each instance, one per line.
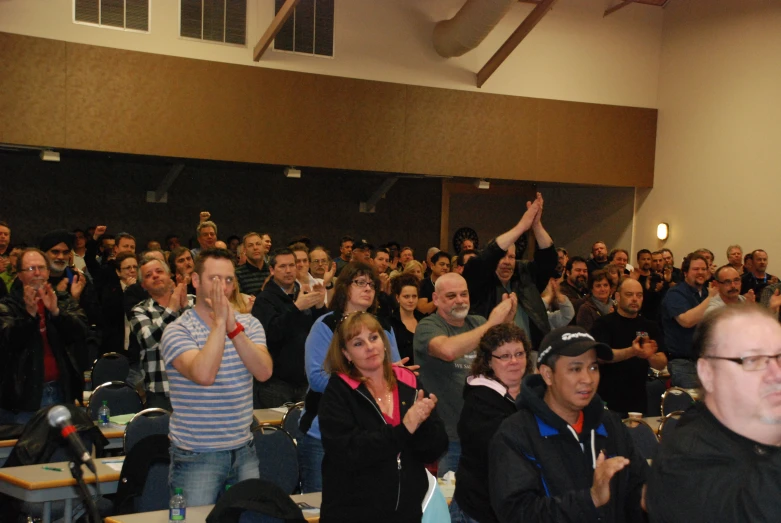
(78, 475)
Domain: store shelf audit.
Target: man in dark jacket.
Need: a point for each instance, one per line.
(562, 456)
(287, 315)
(723, 463)
(495, 271)
(41, 337)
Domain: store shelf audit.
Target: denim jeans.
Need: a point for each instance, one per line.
(134, 375)
(449, 460)
(310, 463)
(203, 475)
(459, 516)
(52, 395)
(683, 373)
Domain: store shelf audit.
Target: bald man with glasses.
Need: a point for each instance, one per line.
(728, 281)
(723, 462)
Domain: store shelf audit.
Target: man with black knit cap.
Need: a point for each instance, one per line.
(562, 456)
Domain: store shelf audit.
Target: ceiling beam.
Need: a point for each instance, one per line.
(274, 28)
(533, 18)
(616, 7)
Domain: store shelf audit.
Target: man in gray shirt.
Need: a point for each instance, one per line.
(728, 280)
(444, 347)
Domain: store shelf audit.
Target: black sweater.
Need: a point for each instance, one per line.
(373, 471)
(286, 330)
(707, 473)
(486, 405)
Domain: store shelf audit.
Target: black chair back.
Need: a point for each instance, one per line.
(669, 423)
(290, 421)
(278, 457)
(143, 424)
(643, 436)
(111, 366)
(675, 399)
(121, 398)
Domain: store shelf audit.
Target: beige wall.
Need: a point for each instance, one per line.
(717, 158)
(573, 54)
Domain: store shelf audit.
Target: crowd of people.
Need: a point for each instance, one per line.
(513, 374)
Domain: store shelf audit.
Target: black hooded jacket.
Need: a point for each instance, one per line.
(21, 351)
(542, 472)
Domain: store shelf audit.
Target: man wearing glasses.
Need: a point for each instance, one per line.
(42, 342)
(723, 462)
(728, 281)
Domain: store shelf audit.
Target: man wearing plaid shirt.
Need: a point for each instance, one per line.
(149, 318)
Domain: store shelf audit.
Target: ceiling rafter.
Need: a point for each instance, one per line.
(273, 29)
(532, 19)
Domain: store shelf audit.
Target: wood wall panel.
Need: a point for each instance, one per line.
(579, 143)
(140, 103)
(459, 133)
(160, 105)
(327, 121)
(32, 91)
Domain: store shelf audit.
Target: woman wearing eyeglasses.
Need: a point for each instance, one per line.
(354, 292)
(378, 429)
(490, 393)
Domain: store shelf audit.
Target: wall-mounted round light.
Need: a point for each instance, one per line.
(662, 231)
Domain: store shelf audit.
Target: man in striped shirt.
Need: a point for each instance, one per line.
(211, 355)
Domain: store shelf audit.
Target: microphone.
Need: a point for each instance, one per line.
(60, 418)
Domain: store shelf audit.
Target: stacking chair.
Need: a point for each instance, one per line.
(668, 424)
(143, 424)
(675, 399)
(112, 366)
(290, 421)
(278, 457)
(643, 436)
(120, 397)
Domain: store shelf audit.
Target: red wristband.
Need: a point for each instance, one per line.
(235, 332)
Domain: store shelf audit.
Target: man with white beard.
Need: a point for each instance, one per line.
(444, 347)
(68, 281)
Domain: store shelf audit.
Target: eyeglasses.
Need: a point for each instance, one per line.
(732, 281)
(130, 268)
(36, 268)
(363, 283)
(507, 357)
(751, 363)
(319, 262)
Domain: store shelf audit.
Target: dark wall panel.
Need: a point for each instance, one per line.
(40, 196)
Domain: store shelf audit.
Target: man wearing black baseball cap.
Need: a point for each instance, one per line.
(562, 456)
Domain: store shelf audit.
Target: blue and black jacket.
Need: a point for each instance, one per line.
(542, 470)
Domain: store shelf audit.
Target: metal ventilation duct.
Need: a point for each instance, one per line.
(470, 25)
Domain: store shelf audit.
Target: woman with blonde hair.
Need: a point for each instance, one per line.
(378, 430)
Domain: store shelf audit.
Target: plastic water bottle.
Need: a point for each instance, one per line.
(177, 511)
(104, 414)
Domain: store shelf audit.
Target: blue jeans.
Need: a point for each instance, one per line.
(683, 373)
(52, 395)
(134, 375)
(310, 463)
(459, 516)
(449, 460)
(203, 475)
